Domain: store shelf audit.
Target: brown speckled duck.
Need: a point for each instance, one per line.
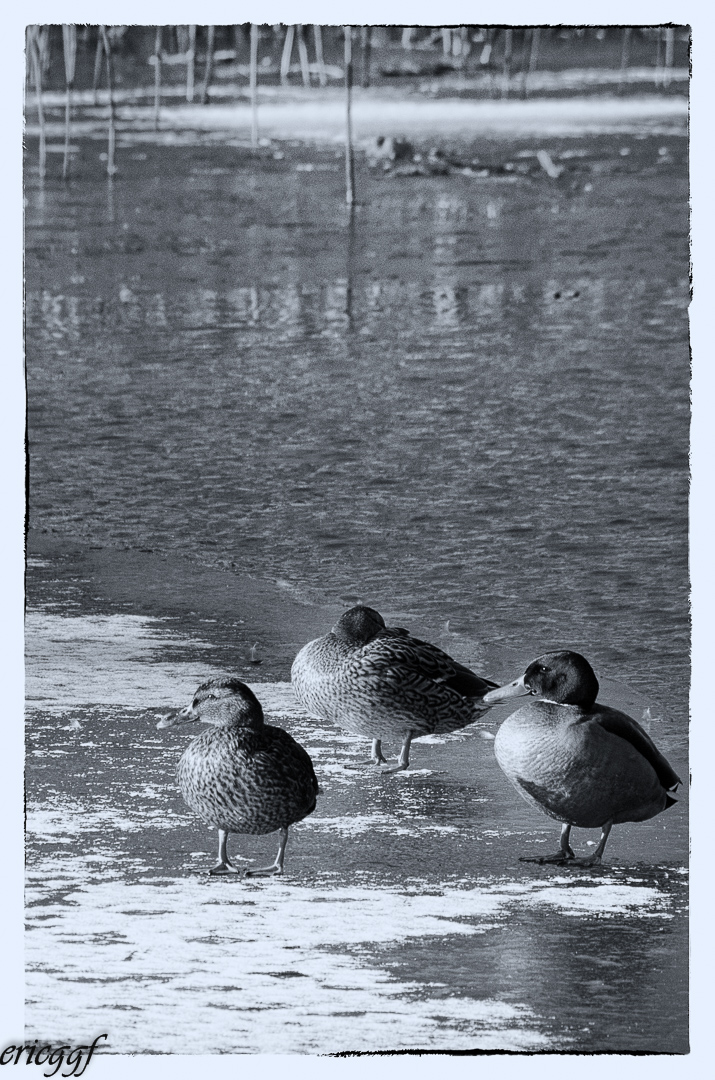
(380, 682)
(582, 763)
(242, 775)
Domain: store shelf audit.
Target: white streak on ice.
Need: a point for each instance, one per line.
(156, 959)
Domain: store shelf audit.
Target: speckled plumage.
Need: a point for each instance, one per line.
(381, 682)
(247, 781)
(582, 763)
(242, 775)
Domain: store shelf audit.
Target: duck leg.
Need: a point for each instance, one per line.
(565, 854)
(403, 760)
(223, 866)
(595, 859)
(376, 756)
(277, 866)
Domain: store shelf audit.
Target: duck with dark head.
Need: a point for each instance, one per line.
(242, 775)
(380, 682)
(583, 763)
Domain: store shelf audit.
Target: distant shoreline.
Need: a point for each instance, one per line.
(313, 118)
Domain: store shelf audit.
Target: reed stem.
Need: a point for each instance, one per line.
(533, 55)
(190, 62)
(97, 68)
(506, 72)
(211, 37)
(625, 54)
(366, 42)
(303, 55)
(349, 163)
(69, 42)
(253, 79)
(34, 41)
(111, 167)
(658, 78)
(319, 62)
(287, 53)
(157, 77)
(669, 54)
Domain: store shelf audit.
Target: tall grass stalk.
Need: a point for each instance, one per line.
(366, 42)
(533, 56)
(625, 55)
(35, 47)
(97, 68)
(253, 80)
(111, 167)
(303, 55)
(669, 54)
(208, 70)
(157, 76)
(190, 63)
(319, 61)
(287, 53)
(506, 70)
(349, 162)
(69, 43)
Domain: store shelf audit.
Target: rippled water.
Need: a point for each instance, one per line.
(416, 407)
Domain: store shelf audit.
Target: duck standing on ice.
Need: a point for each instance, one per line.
(380, 682)
(582, 763)
(242, 775)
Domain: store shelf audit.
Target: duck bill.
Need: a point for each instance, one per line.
(183, 716)
(504, 693)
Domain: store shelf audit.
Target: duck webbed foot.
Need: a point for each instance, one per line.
(276, 867)
(403, 761)
(566, 855)
(224, 867)
(563, 855)
(595, 859)
(559, 858)
(224, 864)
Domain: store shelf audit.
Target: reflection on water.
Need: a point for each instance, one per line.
(305, 309)
(468, 400)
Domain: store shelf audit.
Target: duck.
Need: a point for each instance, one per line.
(582, 763)
(380, 682)
(242, 775)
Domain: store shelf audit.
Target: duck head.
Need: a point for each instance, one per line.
(359, 625)
(221, 702)
(565, 678)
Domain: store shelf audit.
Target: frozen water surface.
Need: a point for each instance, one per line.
(403, 921)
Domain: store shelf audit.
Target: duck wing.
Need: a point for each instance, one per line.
(425, 660)
(296, 760)
(625, 727)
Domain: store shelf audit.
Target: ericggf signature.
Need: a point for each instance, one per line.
(56, 1058)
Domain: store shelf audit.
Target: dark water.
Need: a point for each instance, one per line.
(469, 403)
(415, 408)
